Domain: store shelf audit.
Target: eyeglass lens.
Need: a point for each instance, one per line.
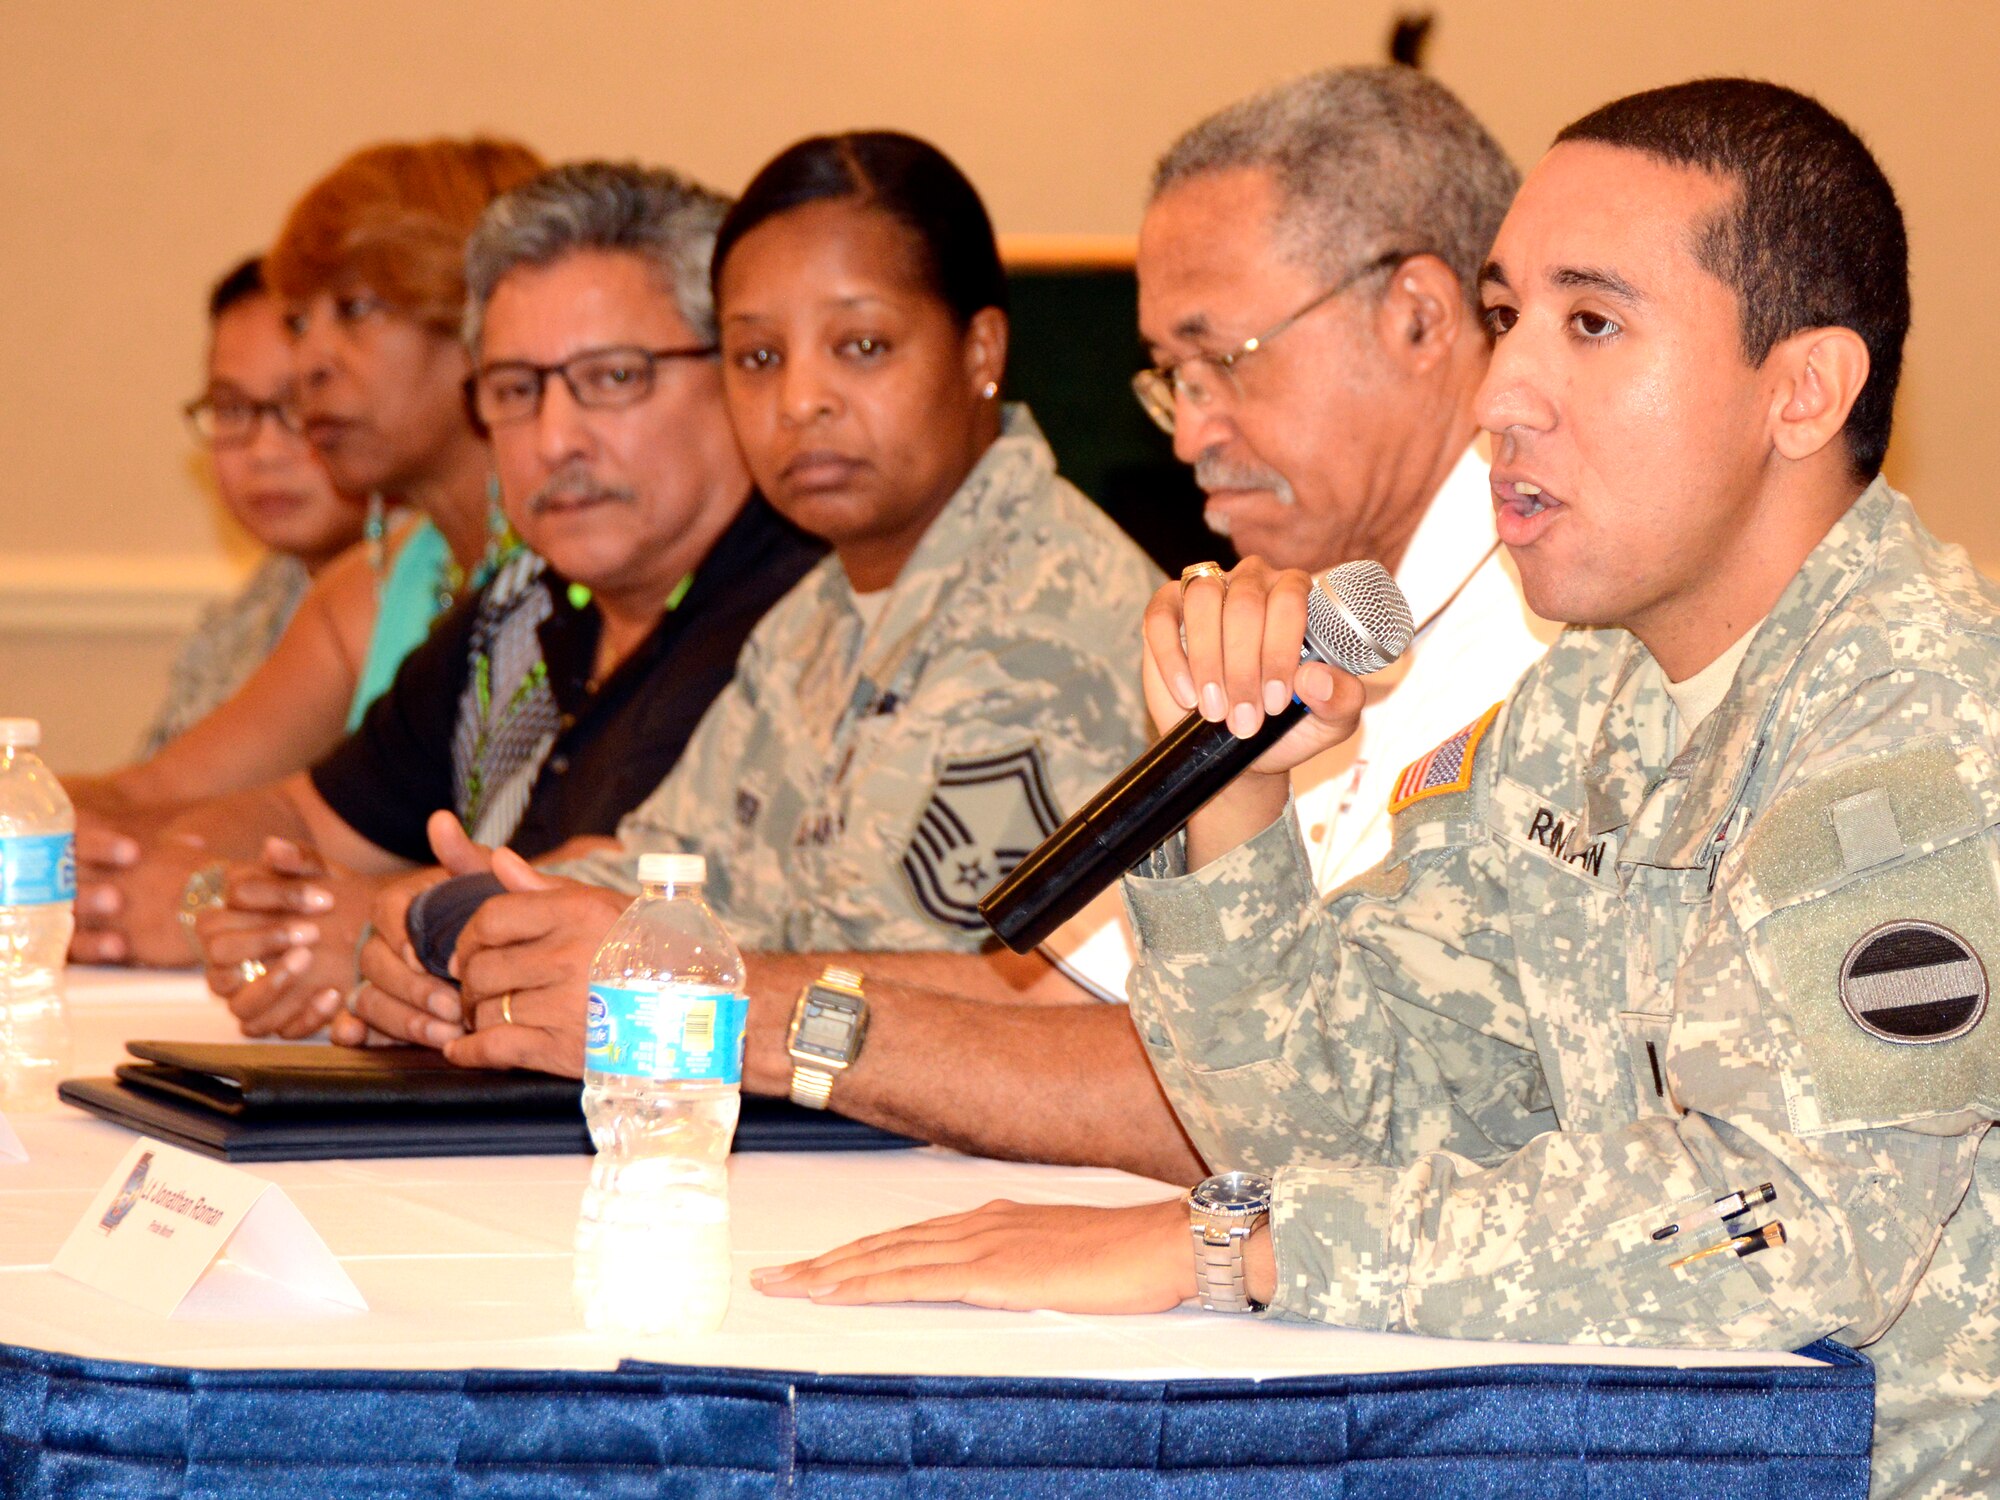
(601, 379)
(230, 421)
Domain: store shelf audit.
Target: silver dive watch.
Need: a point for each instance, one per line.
(828, 1023)
(1223, 1212)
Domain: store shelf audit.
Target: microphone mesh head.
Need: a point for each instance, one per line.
(1356, 618)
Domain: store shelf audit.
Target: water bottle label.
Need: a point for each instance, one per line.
(688, 1033)
(37, 868)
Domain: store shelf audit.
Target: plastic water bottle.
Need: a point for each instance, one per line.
(37, 912)
(663, 1071)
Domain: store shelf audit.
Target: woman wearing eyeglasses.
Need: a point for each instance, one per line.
(369, 267)
(270, 481)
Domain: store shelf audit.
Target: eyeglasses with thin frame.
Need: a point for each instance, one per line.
(1161, 386)
(229, 419)
(600, 379)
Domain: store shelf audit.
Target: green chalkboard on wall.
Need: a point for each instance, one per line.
(1075, 348)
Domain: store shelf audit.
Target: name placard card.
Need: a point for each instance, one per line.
(11, 1148)
(165, 1216)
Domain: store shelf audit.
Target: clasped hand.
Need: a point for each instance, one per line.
(520, 972)
(128, 888)
(279, 950)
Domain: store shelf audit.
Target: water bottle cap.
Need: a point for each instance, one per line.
(20, 734)
(672, 869)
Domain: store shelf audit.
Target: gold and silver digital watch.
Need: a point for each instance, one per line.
(828, 1023)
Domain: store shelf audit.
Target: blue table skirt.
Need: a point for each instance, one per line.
(80, 1427)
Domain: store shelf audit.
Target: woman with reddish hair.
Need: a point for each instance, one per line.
(370, 265)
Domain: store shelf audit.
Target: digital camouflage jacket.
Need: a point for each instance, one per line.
(1507, 1081)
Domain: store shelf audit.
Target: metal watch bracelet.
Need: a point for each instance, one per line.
(812, 1084)
(1219, 1275)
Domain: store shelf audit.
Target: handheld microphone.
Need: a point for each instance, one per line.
(1356, 619)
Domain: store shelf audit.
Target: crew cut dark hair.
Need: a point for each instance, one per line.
(244, 281)
(906, 178)
(1814, 238)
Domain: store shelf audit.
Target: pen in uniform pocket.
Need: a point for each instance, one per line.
(1729, 1206)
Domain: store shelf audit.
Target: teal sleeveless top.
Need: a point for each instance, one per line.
(406, 602)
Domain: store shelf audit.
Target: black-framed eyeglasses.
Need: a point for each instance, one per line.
(602, 379)
(1160, 387)
(229, 419)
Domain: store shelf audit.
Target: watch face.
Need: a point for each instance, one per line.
(825, 1030)
(1234, 1190)
(822, 1032)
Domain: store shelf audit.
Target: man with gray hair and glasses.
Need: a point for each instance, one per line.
(1308, 286)
(554, 700)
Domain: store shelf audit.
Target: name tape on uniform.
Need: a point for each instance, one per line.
(11, 1148)
(164, 1219)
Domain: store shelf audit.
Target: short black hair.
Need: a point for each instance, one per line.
(1814, 239)
(244, 281)
(906, 178)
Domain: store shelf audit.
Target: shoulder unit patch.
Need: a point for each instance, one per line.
(984, 817)
(1913, 982)
(1448, 768)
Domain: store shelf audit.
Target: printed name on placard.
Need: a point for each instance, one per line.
(165, 1216)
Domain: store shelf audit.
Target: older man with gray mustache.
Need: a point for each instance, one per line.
(1308, 269)
(1308, 272)
(549, 703)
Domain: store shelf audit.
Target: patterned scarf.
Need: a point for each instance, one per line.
(507, 715)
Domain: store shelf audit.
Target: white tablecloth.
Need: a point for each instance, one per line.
(465, 1262)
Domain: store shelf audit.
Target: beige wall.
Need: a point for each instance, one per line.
(144, 146)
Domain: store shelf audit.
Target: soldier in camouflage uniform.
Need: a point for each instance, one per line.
(1599, 984)
(861, 785)
(1667, 1020)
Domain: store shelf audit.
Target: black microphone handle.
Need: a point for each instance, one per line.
(1141, 807)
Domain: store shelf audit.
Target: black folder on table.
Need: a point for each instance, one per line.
(267, 1101)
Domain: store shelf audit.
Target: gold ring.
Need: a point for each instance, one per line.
(507, 1008)
(1202, 570)
(251, 970)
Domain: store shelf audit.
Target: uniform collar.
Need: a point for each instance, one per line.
(1017, 467)
(1726, 747)
(1631, 741)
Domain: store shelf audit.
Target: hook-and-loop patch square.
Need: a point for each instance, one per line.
(1873, 922)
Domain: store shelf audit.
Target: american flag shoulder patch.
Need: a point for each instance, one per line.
(1448, 768)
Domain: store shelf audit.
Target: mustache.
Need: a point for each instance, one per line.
(575, 487)
(1215, 470)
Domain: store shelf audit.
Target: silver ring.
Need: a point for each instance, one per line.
(252, 970)
(1202, 570)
